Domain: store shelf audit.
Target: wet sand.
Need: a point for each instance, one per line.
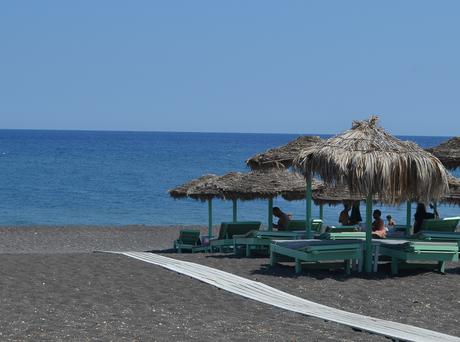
(54, 288)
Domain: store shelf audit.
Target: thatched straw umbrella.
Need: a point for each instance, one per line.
(281, 156)
(181, 192)
(448, 152)
(371, 162)
(260, 184)
(454, 192)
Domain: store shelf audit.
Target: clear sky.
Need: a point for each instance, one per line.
(230, 66)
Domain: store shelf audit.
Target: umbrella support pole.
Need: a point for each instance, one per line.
(270, 214)
(321, 212)
(368, 249)
(308, 207)
(408, 217)
(209, 218)
(234, 210)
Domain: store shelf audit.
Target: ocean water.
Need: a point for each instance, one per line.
(118, 178)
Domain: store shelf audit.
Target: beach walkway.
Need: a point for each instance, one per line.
(272, 296)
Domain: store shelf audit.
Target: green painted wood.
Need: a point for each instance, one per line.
(234, 210)
(209, 218)
(408, 217)
(270, 214)
(368, 249)
(308, 207)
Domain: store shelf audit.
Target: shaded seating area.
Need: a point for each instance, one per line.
(419, 252)
(448, 224)
(228, 230)
(316, 252)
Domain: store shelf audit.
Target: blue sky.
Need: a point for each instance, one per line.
(230, 66)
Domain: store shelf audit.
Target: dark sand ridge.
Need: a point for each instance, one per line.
(62, 293)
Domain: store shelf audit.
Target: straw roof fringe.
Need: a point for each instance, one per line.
(370, 161)
(281, 156)
(181, 190)
(260, 184)
(448, 152)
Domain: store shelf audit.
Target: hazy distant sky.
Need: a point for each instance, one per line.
(230, 66)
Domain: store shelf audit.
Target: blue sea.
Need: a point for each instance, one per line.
(119, 178)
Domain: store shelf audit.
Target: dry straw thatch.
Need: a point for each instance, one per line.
(181, 190)
(448, 152)
(259, 184)
(454, 192)
(282, 156)
(370, 161)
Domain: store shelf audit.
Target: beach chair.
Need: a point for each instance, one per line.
(403, 251)
(189, 240)
(227, 230)
(316, 251)
(261, 240)
(316, 225)
(448, 224)
(345, 235)
(340, 229)
(429, 235)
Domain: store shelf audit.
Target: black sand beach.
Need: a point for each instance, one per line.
(55, 288)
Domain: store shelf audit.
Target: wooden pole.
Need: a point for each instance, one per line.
(209, 218)
(321, 211)
(308, 207)
(234, 211)
(270, 214)
(368, 252)
(408, 217)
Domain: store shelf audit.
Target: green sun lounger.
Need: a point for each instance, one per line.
(448, 224)
(419, 251)
(189, 240)
(316, 251)
(429, 235)
(261, 240)
(343, 235)
(224, 241)
(316, 225)
(340, 229)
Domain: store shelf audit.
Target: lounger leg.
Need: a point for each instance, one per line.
(376, 258)
(348, 266)
(273, 259)
(442, 266)
(298, 266)
(394, 265)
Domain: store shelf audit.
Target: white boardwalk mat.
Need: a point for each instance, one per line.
(269, 295)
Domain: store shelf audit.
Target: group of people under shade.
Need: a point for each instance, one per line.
(354, 218)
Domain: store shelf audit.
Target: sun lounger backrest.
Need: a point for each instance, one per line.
(448, 224)
(239, 228)
(296, 225)
(228, 229)
(189, 237)
(301, 224)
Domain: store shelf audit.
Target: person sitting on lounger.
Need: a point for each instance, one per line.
(391, 223)
(355, 216)
(344, 217)
(283, 219)
(420, 215)
(378, 226)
